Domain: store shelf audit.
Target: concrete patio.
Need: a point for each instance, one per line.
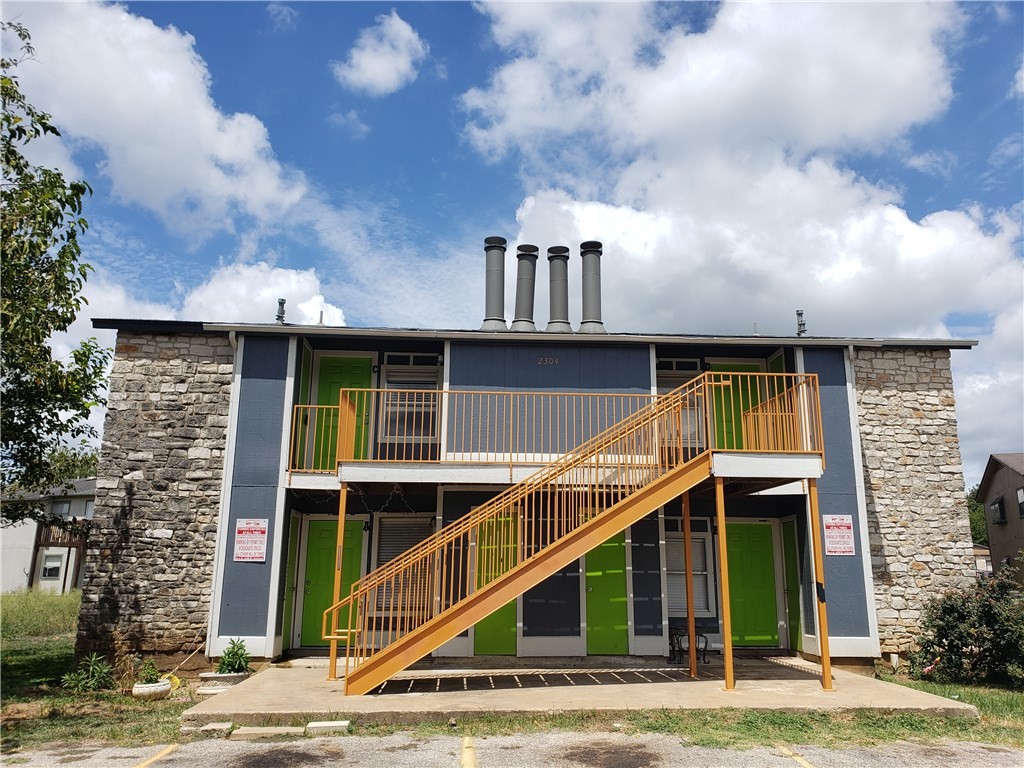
(297, 691)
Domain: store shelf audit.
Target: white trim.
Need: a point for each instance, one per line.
(314, 482)
(213, 645)
(664, 574)
(810, 642)
(274, 641)
(853, 647)
(442, 411)
(653, 360)
(429, 472)
(798, 360)
(862, 502)
(724, 464)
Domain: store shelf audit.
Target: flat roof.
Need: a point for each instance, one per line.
(186, 326)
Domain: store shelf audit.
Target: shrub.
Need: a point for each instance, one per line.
(148, 673)
(235, 658)
(93, 674)
(974, 635)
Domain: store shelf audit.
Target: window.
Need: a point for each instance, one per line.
(409, 412)
(396, 534)
(997, 511)
(89, 509)
(673, 373)
(51, 566)
(61, 508)
(700, 553)
(1020, 501)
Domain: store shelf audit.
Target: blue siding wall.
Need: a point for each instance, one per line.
(646, 559)
(837, 495)
(245, 591)
(498, 429)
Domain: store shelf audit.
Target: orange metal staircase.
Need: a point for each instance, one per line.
(413, 604)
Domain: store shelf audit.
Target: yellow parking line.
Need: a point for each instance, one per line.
(162, 753)
(795, 756)
(468, 753)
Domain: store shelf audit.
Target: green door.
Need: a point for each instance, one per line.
(496, 549)
(337, 373)
(730, 397)
(755, 616)
(789, 551)
(318, 582)
(607, 616)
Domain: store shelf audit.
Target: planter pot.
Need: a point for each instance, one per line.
(152, 691)
(211, 683)
(222, 678)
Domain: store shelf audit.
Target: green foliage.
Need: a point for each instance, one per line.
(93, 674)
(148, 673)
(71, 463)
(974, 635)
(46, 402)
(235, 658)
(32, 613)
(976, 514)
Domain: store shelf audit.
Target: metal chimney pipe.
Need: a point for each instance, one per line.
(526, 279)
(558, 289)
(494, 311)
(591, 253)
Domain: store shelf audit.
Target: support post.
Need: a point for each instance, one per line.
(819, 584)
(691, 622)
(723, 565)
(332, 673)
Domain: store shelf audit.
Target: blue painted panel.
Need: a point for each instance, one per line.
(511, 426)
(245, 591)
(837, 494)
(646, 559)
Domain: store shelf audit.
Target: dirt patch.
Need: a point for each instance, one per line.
(27, 710)
(607, 754)
(280, 757)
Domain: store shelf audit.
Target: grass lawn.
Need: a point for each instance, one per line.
(37, 711)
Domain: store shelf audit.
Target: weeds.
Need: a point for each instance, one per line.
(31, 613)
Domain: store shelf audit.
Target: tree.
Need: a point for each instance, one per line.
(45, 402)
(976, 514)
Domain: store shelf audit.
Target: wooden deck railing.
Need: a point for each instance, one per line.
(523, 522)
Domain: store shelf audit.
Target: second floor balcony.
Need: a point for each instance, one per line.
(736, 412)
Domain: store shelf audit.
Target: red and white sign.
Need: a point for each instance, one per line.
(251, 540)
(838, 534)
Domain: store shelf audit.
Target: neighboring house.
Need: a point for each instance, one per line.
(231, 451)
(982, 561)
(47, 557)
(1002, 492)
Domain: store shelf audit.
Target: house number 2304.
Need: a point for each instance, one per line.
(547, 361)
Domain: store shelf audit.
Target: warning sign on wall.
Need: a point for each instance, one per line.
(251, 540)
(838, 534)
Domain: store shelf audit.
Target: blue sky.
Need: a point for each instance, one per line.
(861, 161)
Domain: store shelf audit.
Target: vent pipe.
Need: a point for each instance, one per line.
(526, 279)
(280, 312)
(494, 305)
(591, 253)
(558, 290)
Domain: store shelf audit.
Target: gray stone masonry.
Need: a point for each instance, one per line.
(917, 514)
(149, 564)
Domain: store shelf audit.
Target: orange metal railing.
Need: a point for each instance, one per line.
(739, 411)
(408, 425)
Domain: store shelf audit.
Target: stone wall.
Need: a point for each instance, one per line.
(149, 563)
(917, 514)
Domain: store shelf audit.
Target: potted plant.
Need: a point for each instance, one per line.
(150, 685)
(232, 668)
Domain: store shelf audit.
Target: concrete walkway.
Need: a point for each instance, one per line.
(298, 692)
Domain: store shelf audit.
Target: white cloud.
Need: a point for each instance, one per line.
(721, 195)
(351, 122)
(933, 163)
(384, 59)
(283, 17)
(144, 101)
(1018, 82)
(248, 293)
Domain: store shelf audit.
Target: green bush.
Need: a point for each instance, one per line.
(31, 613)
(93, 674)
(235, 658)
(974, 635)
(148, 673)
